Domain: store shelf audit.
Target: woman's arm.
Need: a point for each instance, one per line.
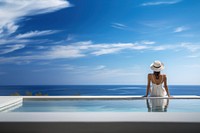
(148, 86)
(165, 85)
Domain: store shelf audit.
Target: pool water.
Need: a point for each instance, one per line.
(132, 105)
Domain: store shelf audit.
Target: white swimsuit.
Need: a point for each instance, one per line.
(158, 90)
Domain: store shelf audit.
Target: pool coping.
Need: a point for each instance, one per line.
(111, 97)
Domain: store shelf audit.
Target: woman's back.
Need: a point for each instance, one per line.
(157, 89)
(157, 80)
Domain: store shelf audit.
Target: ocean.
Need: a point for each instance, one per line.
(92, 90)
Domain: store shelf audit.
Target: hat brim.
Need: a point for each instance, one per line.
(157, 69)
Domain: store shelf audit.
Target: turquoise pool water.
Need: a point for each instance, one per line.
(133, 105)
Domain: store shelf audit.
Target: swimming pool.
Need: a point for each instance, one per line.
(109, 114)
(107, 105)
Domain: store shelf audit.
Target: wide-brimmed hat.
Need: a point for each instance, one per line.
(157, 66)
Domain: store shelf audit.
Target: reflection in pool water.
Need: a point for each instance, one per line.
(107, 105)
(157, 105)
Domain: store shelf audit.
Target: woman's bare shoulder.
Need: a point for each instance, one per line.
(164, 75)
(149, 75)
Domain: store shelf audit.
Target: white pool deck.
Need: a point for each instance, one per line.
(90, 122)
(9, 101)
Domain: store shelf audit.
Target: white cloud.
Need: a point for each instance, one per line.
(84, 43)
(88, 48)
(177, 47)
(80, 49)
(12, 40)
(164, 47)
(147, 42)
(102, 49)
(70, 37)
(180, 29)
(63, 52)
(156, 25)
(11, 48)
(161, 3)
(12, 11)
(159, 48)
(119, 26)
(75, 50)
(36, 33)
(106, 51)
(191, 47)
(8, 29)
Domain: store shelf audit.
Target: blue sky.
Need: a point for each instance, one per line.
(98, 41)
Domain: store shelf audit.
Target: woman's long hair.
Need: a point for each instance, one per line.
(157, 74)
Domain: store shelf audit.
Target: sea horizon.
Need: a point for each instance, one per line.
(88, 90)
(92, 84)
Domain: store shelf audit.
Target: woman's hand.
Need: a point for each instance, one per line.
(170, 96)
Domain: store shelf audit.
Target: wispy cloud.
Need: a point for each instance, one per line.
(88, 48)
(180, 29)
(58, 52)
(11, 48)
(102, 49)
(13, 41)
(161, 3)
(7, 29)
(156, 25)
(36, 33)
(106, 51)
(147, 42)
(70, 37)
(191, 47)
(119, 26)
(13, 11)
(165, 47)
(81, 49)
(76, 50)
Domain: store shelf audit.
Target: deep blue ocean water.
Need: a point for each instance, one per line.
(95, 90)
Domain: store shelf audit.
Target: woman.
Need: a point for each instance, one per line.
(157, 80)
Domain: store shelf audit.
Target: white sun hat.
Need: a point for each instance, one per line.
(157, 66)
